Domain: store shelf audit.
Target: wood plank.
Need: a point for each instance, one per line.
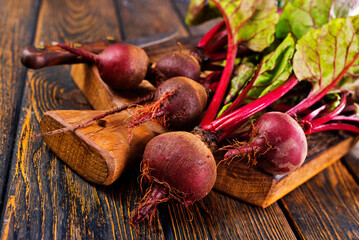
(45, 198)
(15, 34)
(326, 207)
(101, 151)
(76, 21)
(220, 217)
(145, 18)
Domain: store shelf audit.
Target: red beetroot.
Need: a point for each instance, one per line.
(179, 166)
(121, 66)
(278, 144)
(179, 100)
(179, 64)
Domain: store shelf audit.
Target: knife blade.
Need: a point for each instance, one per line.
(41, 56)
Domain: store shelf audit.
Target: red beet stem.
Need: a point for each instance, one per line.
(85, 55)
(217, 56)
(309, 101)
(233, 120)
(310, 116)
(352, 118)
(222, 40)
(329, 116)
(223, 83)
(241, 96)
(209, 35)
(335, 126)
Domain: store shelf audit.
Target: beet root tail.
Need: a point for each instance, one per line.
(152, 111)
(239, 150)
(155, 195)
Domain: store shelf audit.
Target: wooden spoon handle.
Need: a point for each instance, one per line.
(41, 56)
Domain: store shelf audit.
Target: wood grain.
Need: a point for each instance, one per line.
(47, 200)
(220, 217)
(145, 18)
(76, 21)
(326, 206)
(15, 33)
(101, 151)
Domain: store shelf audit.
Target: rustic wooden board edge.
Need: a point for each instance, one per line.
(101, 151)
(263, 189)
(85, 147)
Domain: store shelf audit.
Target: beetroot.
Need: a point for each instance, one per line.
(179, 64)
(278, 144)
(121, 66)
(179, 166)
(179, 100)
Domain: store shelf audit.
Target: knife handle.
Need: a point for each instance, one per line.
(41, 56)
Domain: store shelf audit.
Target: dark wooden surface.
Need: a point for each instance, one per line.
(42, 198)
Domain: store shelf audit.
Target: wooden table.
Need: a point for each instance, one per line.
(42, 198)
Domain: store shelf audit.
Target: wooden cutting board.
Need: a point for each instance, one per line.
(99, 161)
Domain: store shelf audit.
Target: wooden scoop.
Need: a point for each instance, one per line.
(101, 151)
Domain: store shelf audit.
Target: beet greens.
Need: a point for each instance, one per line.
(323, 62)
(312, 15)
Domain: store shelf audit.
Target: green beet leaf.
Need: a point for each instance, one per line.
(242, 74)
(349, 83)
(275, 69)
(301, 16)
(251, 23)
(324, 55)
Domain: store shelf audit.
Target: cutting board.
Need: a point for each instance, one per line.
(97, 141)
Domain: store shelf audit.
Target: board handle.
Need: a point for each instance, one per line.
(41, 56)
